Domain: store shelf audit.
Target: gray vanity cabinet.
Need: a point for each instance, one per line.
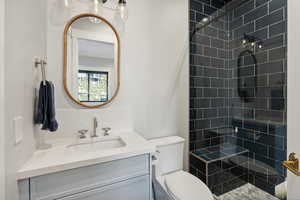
(128, 178)
(134, 189)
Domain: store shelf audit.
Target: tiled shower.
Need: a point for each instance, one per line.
(238, 101)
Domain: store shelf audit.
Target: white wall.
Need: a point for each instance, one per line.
(23, 42)
(154, 78)
(2, 159)
(153, 97)
(293, 92)
(154, 45)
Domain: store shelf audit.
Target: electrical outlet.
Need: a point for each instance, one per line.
(18, 129)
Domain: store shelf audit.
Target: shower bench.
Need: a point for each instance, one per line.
(222, 167)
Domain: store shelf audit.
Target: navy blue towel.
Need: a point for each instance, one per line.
(45, 113)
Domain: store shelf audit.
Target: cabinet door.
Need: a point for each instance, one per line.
(23, 187)
(67, 183)
(133, 189)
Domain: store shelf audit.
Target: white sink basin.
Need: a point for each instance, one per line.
(101, 143)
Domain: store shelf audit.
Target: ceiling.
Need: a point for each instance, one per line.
(96, 49)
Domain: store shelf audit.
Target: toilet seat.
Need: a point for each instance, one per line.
(184, 186)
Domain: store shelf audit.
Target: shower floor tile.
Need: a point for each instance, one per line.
(247, 192)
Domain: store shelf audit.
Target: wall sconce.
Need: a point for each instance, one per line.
(122, 10)
(252, 41)
(66, 3)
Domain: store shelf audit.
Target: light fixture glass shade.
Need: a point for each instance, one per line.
(123, 10)
(96, 7)
(67, 3)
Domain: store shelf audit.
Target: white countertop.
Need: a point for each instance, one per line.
(60, 158)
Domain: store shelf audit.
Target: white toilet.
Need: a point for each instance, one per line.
(168, 164)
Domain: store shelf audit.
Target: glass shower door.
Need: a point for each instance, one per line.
(238, 69)
(293, 181)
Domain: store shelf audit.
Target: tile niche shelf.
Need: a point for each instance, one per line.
(222, 167)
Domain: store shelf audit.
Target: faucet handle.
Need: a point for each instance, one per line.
(82, 133)
(106, 130)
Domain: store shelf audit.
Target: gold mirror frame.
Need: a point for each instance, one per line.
(68, 25)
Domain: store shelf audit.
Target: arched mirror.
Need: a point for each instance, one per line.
(247, 86)
(91, 60)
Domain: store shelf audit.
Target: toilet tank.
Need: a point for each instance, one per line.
(169, 154)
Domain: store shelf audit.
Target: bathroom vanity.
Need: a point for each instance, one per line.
(66, 173)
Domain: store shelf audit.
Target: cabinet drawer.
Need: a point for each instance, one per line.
(134, 189)
(56, 185)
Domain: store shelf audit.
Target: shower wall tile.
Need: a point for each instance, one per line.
(204, 1)
(209, 10)
(278, 28)
(218, 3)
(209, 73)
(197, 5)
(260, 2)
(276, 4)
(255, 14)
(236, 23)
(269, 19)
(215, 103)
(273, 42)
(270, 67)
(244, 9)
(247, 28)
(261, 33)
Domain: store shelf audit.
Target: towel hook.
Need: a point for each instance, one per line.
(42, 63)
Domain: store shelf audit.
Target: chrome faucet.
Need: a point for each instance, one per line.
(82, 133)
(95, 126)
(106, 131)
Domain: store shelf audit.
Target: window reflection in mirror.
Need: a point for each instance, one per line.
(92, 86)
